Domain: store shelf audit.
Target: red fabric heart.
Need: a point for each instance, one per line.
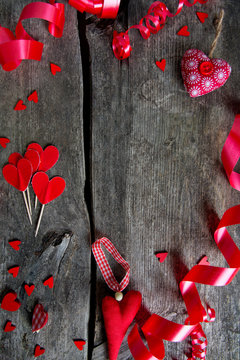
(55, 68)
(14, 158)
(9, 326)
(33, 97)
(20, 106)
(15, 244)
(183, 31)
(29, 289)
(48, 158)
(202, 16)
(35, 146)
(4, 142)
(117, 318)
(49, 282)
(161, 64)
(202, 75)
(39, 319)
(10, 302)
(34, 158)
(14, 271)
(79, 344)
(18, 176)
(204, 261)
(46, 190)
(162, 256)
(38, 351)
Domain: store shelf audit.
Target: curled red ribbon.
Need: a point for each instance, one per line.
(14, 49)
(154, 21)
(107, 9)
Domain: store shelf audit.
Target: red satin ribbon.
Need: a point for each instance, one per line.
(107, 9)
(154, 21)
(157, 329)
(23, 47)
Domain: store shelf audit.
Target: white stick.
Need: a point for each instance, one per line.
(29, 201)
(36, 202)
(26, 204)
(39, 220)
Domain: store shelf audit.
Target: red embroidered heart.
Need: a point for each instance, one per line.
(183, 31)
(117, 318)
(161, 256)
(9, 326)
(49, 282)
(204, 261)
(79, 344)
(14, 271)
(55, 68)
(202, 16)
(4, 142)
(161, 64)
(10, 302)
(33, 97)
(48, 158)
(46, 190)
(18, 176)
(202, 75)
(34, 158)
(29, 289)
(38, 351)
(35, 146)
(15, 244)
(14, 158)
(20, 106)
(39, 319)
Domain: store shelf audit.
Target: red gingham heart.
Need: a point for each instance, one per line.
(39, 319)
(202, 75)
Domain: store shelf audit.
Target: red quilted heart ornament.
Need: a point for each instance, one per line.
(4, 142)
(10, 302)
(46, 190)
(15, 244)
(79, 344)
(38, 351)
(33, 97)
(39, 319)
(34, 158)
(20, 106)
(49, 282)
(29, 289)
(55, 68)
(9, 327)
(202, 75)
(117, 318)
(14, 271)
(18, 176)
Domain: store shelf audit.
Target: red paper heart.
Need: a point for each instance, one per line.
(204, 261)
(161, 256)
(14, 271)
(202, 16)
(20, 106)
(33, 97)
(117, 318)
(46, 190)
(14, 158)
(10, 302)
(55, 68)
(79, 344)
(18, 176)
(38, 351)
(9, 326)
(15, 244)
(34, 158)
(48, 158)
(4, 142)
(35, 146)
(202, 75)
(183, 31)
(161, 64)
(49, 282)
(29, 289)
(39, 319)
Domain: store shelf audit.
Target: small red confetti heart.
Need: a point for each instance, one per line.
(204, 261)
(79, 344)
(14, 271)
(202, 16)
(183, 31)
(20, 106)
(9, 326)
(15, 244)
(161, 256)
(29, 289)
(10, 302)
(38, 351)
(49, 282)
(39, 319)
(161, 64)
(33, 97)
(4, 142)
(55, 68)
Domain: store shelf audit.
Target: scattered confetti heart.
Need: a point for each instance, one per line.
(79, 344)
(20, 106)
(14, 271)
(10, 302)
(49, 282)
(4, 142)
(38, 351)
(204, 261)
(183, 31)
(15, 244)
(161, 64)
(29, 289)
(161, 256)
(39, 319)
(33, 97)
(55, 68)
(202, 16)
(9, 326)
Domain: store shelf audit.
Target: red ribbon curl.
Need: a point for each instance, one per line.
(107, 9)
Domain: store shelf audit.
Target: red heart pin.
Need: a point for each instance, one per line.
(29, 289)
(49, 282)
(204, 261)
(35, 146)
(55, 68)
(9, 326)
(14, 158)
(10, 302)
(161, 64)
(117, 318)
(183, 31)
(38, 351)
(202, 16)
(15, 244)
(48, 158)
(14, 271)
(79, 344)
(33, 97)
(39, 319)
(34, 158)
(4, 142)
(161, 256)
(18, 176)
(46, 190)
(20, 106)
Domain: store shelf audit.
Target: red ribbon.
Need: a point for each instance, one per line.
(107, 9)
(154, 21)
(14, 49)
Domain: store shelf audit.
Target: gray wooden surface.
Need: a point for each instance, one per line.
(149, 168)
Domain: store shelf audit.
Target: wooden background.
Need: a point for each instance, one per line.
(142, 164)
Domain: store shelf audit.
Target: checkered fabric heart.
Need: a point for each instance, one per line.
(105, 267)
(39, 319)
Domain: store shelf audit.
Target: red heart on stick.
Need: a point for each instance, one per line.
(33, 97)
(46, 190)
(9, 326)
(14, 158)
(183, 31)
(4, 142)
(161, 256)
(34, 158)
(35, 146)
(18, 176)
(14, 271)
(117, 318)
(79, 344)
(10, 302)
(202, 16)
(49, 282)
(48, 158)
(15, 244)
(29, 289)
(55, 68)
(20, 106)
(38, 351)
(39, 319)
(161, 64)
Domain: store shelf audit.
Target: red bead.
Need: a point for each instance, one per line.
(206, 68)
